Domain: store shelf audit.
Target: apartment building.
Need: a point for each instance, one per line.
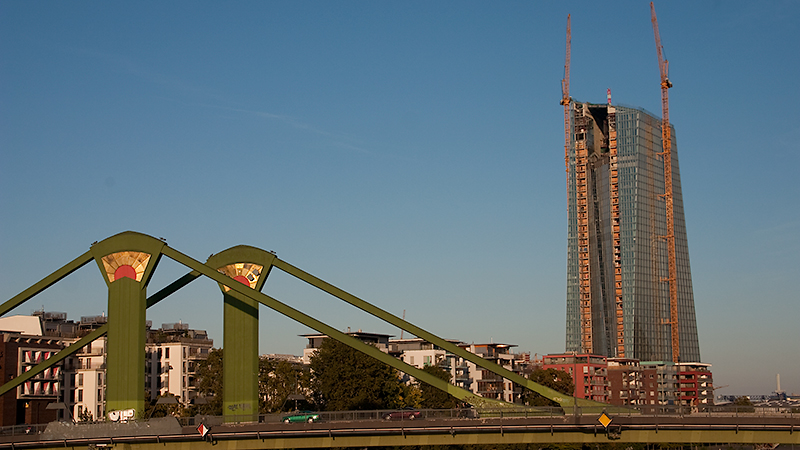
(172, 354)
(624, 382)
(588, 372)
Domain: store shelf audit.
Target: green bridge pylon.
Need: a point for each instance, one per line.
(127, 261)
(249, 266)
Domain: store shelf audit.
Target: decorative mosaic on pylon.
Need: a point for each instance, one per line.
(245, 273)
(125, 264)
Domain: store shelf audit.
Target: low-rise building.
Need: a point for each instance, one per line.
(172, 355)
(588, 372)
(490, 385)
(659, 383)
(624, 382)
(23, 345)
(420, 353)
(696, 384)
(381, 341)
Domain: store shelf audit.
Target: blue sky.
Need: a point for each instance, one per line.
(410, 153)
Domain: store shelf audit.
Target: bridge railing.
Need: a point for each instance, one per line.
(466, 413)
(346, 416)
(16, 430)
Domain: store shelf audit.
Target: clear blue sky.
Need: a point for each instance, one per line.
(410, 153)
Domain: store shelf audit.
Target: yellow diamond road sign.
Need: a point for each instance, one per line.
(604, 420)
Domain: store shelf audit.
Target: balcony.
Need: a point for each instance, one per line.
(90, 365)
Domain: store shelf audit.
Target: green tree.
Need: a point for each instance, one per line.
(277, 380)
(152, 409)
(433, 397)
(209, 383)
(345, 379)
(555, 379)
(743, 404)
(85, 415)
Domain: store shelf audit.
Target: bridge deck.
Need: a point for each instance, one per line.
(369, 433)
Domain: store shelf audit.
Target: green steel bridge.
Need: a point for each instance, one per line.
(127, 262)
(364, 429)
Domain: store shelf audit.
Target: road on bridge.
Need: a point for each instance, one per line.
(698, 429)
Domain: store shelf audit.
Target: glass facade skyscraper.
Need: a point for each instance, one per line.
(617, 299)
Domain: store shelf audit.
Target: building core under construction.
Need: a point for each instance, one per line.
(618, 299)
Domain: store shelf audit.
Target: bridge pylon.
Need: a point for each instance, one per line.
(249, 266)
(127, 261)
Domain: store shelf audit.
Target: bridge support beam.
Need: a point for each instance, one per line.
(125, 346)
(249, 266)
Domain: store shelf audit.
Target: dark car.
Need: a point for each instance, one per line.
(404, 414)
(300, 416)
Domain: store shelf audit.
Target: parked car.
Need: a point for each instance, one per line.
(404, 414)
(300, 416)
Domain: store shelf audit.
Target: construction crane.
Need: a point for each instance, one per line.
(666, 138)
(565, 99)
(582, 212)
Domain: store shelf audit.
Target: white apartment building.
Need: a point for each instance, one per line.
(90, 377)
(490, 385)
(90, 373)
(172, 354)
(420, 353)
(381, 341)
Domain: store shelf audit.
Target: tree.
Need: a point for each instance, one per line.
(209, 382)
(84, 415)
(343, 378)
(743, 404)
(433, 397)
(277, 380)
(555, 379)
(152, 409)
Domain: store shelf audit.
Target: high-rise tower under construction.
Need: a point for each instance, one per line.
(618, 299)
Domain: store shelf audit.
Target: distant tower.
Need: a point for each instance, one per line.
(617, 300)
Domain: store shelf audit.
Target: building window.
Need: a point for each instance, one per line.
(80, 396)
(166, 353)
(80, 379)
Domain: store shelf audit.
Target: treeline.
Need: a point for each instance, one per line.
(339, 378)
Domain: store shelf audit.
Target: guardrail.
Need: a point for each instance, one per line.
(464, 413)
(21, 430)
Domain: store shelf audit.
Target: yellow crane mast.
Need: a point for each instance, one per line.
(565, 100)
(666, 138)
